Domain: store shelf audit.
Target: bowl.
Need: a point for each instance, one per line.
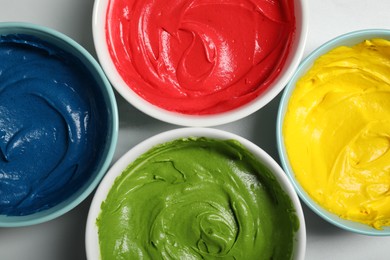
(348, 39)
(159, 144)
(58, 126)
(218, 95)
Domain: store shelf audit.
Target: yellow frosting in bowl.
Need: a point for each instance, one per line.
(337, 132)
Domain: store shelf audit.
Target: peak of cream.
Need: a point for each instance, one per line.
(197, 198)
(199, 57)
(47, 131)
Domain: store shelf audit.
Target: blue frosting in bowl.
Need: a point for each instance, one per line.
(51, 124)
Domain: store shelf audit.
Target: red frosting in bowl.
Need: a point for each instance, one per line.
(199, 57)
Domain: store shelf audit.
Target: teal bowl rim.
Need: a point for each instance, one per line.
(89, 61)
(348, 39)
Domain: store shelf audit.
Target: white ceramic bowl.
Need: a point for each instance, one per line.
(92, 240)
(292, 62)
(348, 39)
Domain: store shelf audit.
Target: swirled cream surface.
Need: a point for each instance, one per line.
(337, 132)
(199, 56)
(197, 198)
(47, 134)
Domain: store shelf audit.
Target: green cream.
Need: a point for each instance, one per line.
(197, 198)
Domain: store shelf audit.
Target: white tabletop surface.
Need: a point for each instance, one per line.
(63, 238)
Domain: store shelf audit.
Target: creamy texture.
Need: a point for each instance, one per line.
(337, 132)
(49, 124)
(199, 56)
(197, 198)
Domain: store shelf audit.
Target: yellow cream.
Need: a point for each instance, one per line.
(337, 132)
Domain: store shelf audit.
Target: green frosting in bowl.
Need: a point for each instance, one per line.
(197, 198)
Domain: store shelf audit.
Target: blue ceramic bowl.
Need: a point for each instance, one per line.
(348, 39)
(103, 95)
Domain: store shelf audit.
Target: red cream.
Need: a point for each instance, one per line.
(199, 56)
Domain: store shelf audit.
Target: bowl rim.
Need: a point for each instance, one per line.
(293, 60)
(55, 37)
(346, 39)
(91, 232)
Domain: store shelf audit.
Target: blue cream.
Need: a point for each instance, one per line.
(49, 124)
